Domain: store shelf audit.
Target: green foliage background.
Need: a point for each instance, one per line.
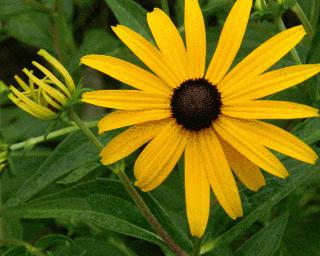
(56, 198)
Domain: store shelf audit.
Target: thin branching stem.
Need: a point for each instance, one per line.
(142, 206)
(51, 135)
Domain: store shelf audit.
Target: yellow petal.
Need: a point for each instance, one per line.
(129, 141)
(230, 40)
(272, 82)
(53, 78)
(197, 188)
(267, 109)
(277, 139)
(50, 100)
(126, 99)
(247, 172)
(56, 94)
(159, 157)
(59, 67)
(147, 53)
(127, 73)
(169, 42)
(25, 103)
(195, 39)
(248, 147)
(25, 107)
(219, 174)
(23, 85)
(121, 118)
(262, 58)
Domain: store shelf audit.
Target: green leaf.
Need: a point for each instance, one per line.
(13, 7)
(11, 118)
(17, 251)
(302, 236)
(95, 41)
(308, 130)
(32, 28)
(131, 14)
(103, 203)
(97, 247)
(262, 202)
(26, 163)
(212, 6)
(72, 153)
(266, 241)
(54, 241)
(63, 37)
(79, 173)
(11, 227)
(314, 57)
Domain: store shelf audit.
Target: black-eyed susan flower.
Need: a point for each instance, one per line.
(210, 116)
(43, 97)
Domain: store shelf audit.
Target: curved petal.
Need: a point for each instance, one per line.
(277, 139)
(169, 42)
(54, 93)
(267, 109)
(248, 147)
(271, 82)
(197, 188)
(126, 99)
(159, 157)
(195, 39)
(118, 119)
(127, 73)
(129, 141)
(262, 58)
(230, 40)
(147, 53)
(33, 108)
(247, 172)
(219, 174)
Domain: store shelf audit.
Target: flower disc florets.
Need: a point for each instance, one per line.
(195, 104)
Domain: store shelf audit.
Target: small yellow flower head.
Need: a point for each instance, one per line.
(43, 97)
(3, 157)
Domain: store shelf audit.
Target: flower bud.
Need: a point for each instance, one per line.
(43, 97)
(3, 157)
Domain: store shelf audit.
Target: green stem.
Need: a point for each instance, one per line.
(197, 247)
(142, 206)
(294, 53)
(296, 8)
(165, 6)
(51, 135)
(85, 129)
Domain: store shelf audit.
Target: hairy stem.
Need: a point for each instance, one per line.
(85, 129)
(142, 206)
(51, 135)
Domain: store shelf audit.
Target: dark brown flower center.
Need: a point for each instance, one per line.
(195, 104)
